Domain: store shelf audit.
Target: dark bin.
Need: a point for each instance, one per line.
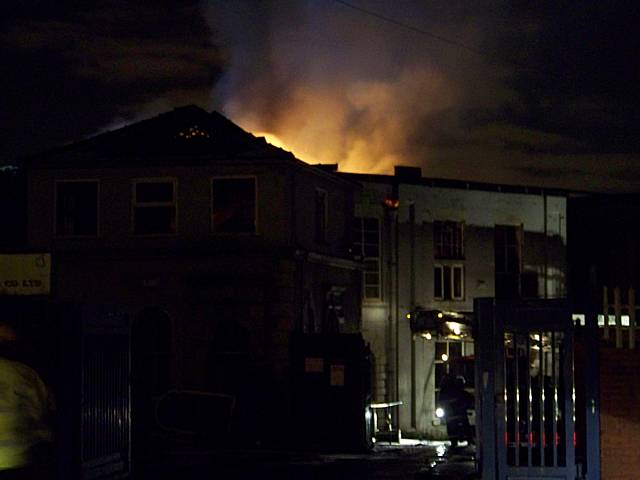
(331, 392)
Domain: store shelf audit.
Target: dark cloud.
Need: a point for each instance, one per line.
(76, 69)
(516, 92)
(512, 92)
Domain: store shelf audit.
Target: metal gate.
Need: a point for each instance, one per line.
(105, 409)
(526, 400)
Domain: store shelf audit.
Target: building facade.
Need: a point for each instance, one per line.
(221, 244)
(429, 247)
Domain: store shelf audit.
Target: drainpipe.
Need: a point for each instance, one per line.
(546, 252)
(412, 303)
(391, 206)
(388, 220)
(397, 313)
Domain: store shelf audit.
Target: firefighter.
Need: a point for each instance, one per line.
(456, 401)
(24, 406)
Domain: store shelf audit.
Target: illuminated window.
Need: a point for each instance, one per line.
(233, 205)
(448, 239)
(448, 282)
(154, 207)
(579, 319)
(76, 208)
(625, 320)
(321, 214)
(367, 247)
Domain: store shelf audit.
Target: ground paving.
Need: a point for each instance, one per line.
(407, 461)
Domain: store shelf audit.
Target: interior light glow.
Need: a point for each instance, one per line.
(391, 203)
(445, 357)
(439, 412)
(579, 319)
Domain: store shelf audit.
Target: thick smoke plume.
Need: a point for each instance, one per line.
(336, 85)
(467, 90)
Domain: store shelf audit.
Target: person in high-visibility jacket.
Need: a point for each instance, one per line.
(24, 406)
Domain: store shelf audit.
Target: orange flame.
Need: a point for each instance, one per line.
(364, 126)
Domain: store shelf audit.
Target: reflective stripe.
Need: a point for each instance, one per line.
(12, 443)
(13, 456)
(23, 404)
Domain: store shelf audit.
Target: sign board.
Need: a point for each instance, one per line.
(25, 274)
(337, 376)
(313, 365)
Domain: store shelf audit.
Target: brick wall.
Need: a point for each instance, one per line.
(619, 414)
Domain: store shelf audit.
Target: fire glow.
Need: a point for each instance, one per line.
(367, 127)
(334, 90)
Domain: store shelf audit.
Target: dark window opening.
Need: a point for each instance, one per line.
(508, 261)
(448, 239)
(154, 208)
(448, 282)
(233, 205)
(321, 211)
(77, 209)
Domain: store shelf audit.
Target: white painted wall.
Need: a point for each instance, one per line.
(480, 211)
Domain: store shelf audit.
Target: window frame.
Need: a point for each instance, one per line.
(321, 234)
(135, 204)
(501, 231)
(452, 267)
(378, 259)
(255, 203)
(55, 207)
(456, 245)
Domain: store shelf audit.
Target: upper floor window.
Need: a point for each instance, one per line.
(448, 282)
(508, 260)
(154, 207)
(321, 214)
(367, 246)
(76, 208)
(448, 239)
(233, 205)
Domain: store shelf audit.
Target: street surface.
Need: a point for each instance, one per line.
(407, 461)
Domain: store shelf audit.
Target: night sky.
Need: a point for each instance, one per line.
(542, 93)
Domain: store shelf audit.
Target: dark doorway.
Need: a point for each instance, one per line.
(151, 346)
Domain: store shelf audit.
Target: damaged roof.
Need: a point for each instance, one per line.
(184, 135)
